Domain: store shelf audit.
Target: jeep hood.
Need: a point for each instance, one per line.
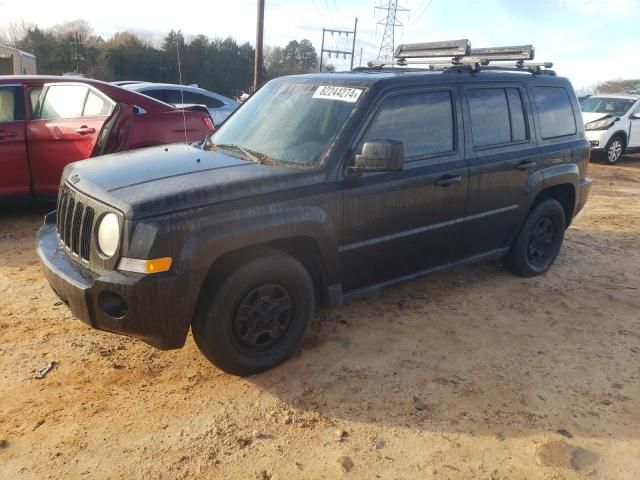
(159, 180)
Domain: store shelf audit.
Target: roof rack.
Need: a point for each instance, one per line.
(458, 55)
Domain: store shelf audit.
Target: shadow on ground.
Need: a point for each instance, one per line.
(478, 351)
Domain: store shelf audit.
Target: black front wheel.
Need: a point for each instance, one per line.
(257, 316)
(538, 243)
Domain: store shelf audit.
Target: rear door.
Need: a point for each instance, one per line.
(66, 126)
(14, 163)
(502, 158)
(397, 224)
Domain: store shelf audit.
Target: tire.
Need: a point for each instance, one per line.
(614, 150)
(537, 245)
(257, 316)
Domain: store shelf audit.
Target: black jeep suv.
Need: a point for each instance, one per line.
(320, 188)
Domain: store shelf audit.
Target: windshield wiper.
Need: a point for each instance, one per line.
(237, 148)
(254, 156)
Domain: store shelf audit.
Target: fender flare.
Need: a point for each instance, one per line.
(213, 241)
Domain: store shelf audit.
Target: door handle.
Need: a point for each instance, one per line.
(522, 166)
(5, 134)
(84, 130)
(448, 180)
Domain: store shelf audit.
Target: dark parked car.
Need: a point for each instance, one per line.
(48, 122)
(319, 189)
(219, 106)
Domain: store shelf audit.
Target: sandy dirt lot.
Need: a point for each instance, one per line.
(471, 373)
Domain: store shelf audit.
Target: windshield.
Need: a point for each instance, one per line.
(285, 122)
(609, 106)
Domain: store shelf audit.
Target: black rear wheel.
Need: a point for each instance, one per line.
(257, 316)
(538, 243)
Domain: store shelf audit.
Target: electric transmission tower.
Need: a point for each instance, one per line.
(390, 23)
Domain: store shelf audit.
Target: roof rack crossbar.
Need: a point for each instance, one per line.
(520, 66)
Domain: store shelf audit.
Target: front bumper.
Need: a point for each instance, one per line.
(149, 307)
(583, 194)
(598, 138)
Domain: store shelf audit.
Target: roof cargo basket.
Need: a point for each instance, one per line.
(452, 48)
(457, 54)
(500, 54)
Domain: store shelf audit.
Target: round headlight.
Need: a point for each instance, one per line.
(109, 234)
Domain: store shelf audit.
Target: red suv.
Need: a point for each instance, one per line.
(48, 122)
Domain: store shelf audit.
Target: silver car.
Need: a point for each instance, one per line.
(220, 107)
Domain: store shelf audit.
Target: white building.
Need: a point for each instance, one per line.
(16, 62)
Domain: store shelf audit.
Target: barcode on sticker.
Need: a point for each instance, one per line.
(344, 94)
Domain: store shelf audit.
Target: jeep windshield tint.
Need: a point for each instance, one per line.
(287, 123)
(610, 106)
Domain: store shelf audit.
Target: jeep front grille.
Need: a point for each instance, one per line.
(74, 223)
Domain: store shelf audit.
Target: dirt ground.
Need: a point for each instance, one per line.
(471, 373)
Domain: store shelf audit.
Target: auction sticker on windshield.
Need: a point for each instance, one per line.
(344, 94)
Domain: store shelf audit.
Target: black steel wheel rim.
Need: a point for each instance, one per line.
(541, 241)
(262, 318)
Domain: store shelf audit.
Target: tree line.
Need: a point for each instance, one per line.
(221, 65)
(631, 87)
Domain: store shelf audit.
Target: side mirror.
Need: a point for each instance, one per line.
(635, 116)
(380, 156)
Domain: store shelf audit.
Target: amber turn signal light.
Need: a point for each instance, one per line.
(156, 265)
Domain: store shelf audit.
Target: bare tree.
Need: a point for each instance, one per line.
(14, 33)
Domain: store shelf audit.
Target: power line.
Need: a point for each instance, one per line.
(390, 22)
(426, 5)
(344, 51)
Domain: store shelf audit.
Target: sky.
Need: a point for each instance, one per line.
(588, 40)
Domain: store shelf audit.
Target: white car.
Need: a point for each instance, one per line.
(612, 124)
(220, 107)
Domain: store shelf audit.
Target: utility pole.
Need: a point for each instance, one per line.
(390, 22)
(258, 74)
(78, 57)
(322, 50)
(353, 45)
(338, 52)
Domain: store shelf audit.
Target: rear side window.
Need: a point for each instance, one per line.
(173, 97)
(554, 112)
(11, 104)
(516, 113)
(497, 117)
(157, 94)
(199, 99)
(422, 121)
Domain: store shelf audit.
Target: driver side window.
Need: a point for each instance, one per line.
(422, 121)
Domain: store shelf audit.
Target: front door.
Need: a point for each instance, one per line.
(398, 224)
(14, 164)
(66, 126)
(634, 131)
(503, 156)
